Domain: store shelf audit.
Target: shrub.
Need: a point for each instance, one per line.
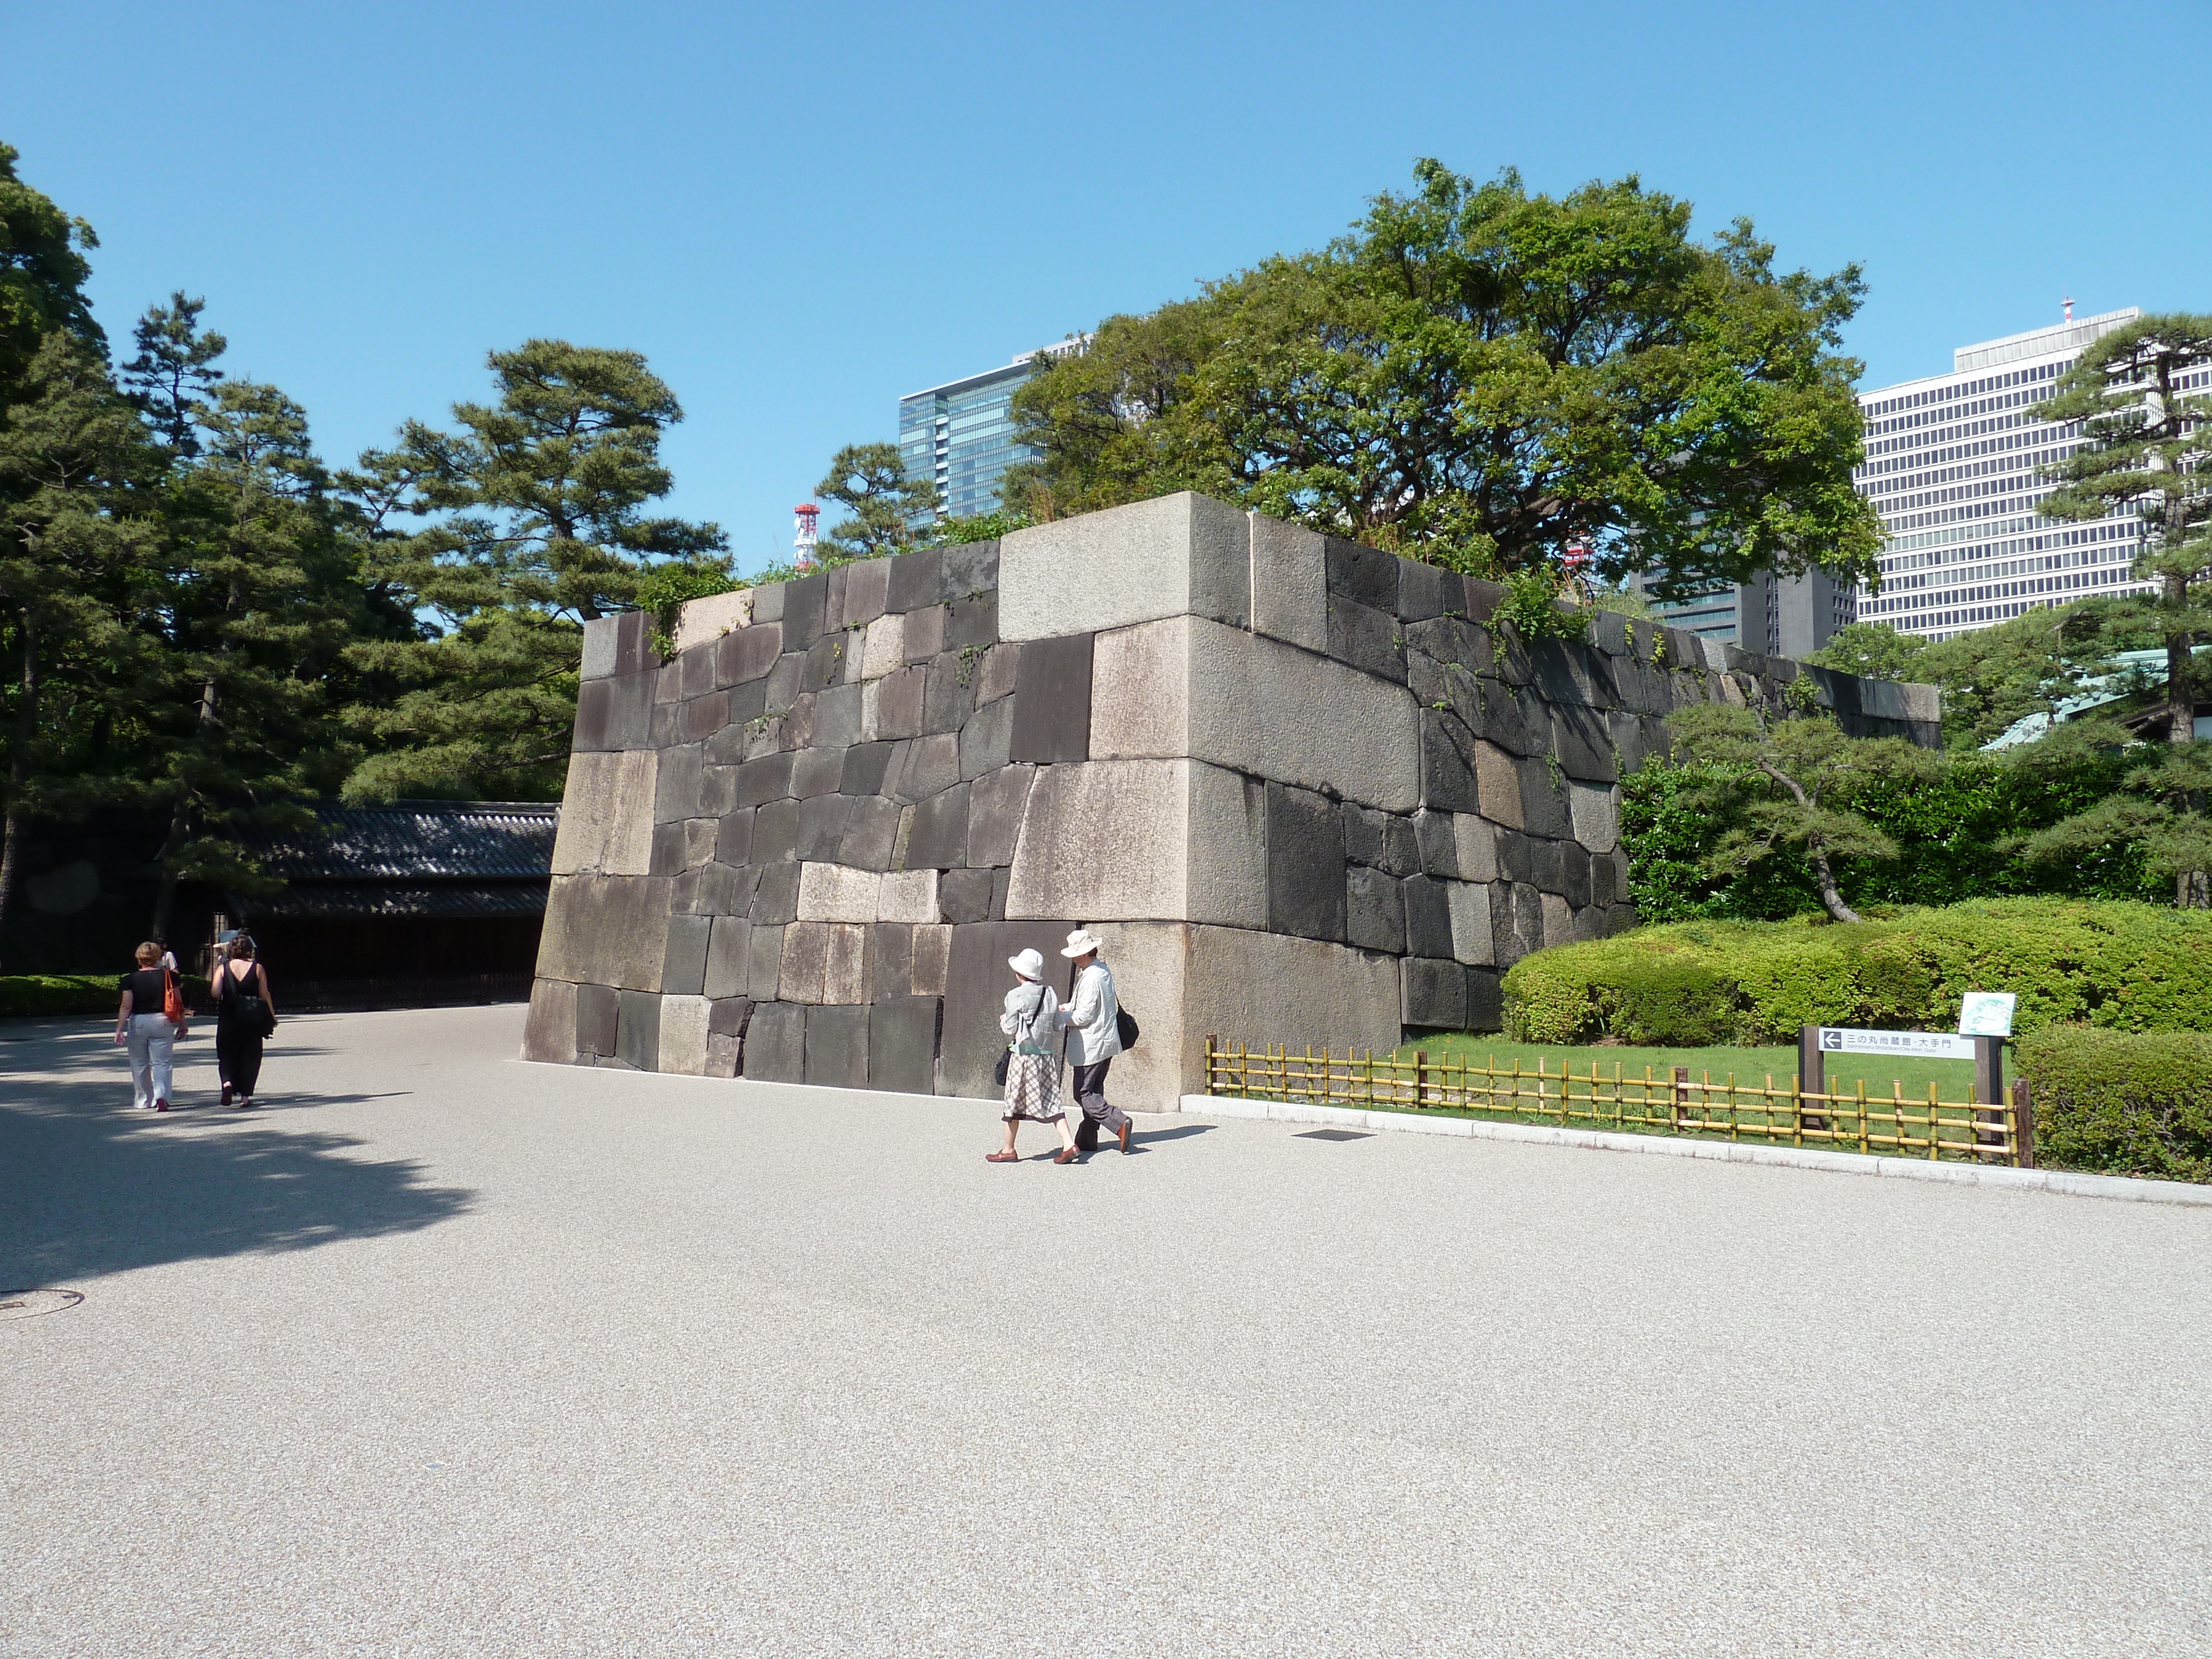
(2126, 1102)
(26, 995)
(2114, 964)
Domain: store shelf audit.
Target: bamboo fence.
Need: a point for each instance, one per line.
(1661, 1101)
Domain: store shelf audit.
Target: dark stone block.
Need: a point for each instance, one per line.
(1052, 701)
(950, 697)
(1547, 868)
(915, 578)
(704, 716)
(867, 591)
(864, 769)
(1447, 764)
(1365, 638)
(764, 963)
(891, 956)
(598, 1010)
(833, 599)
(987, 738)
(939, 840)
(923, 635)
(697, 665)
(821, 827)
(775, 901)
(776, 1043)
(684, 969)
(1453, 639)
(1544, 801)
(718, 787)
(729, 957)
(747, 702)
(1381, 841)
(816, 771)
(972, 622)
(759, 781)
(733, 842)
(1574, 873)
(782, 682)
(1483, 598)
(726, 890)
(667, 683)
(803, 597)
(995, 804)
(1515, 719)
(929, 765)
(1439, 847)
(1516, 856)
(729, 1015)
(776, 832)
(1485, 1001)
(1601, 889)
(970, 570)
(662, 730)
(1561, 671)
(637, 1031)
(837, 716)
(1001, 879)
(1436, 996)
(746, 655)
(634, 652)
(594, 701)
(837, 1046)
(676, 795)
(1505, 934)
(1363, 575)
(1374, 912)
(684, 894)
(1428, 917)
(1582, 744)
(1305, 864)
(977, 982)
(668, 841)
(1608, 632)
(964, 895)
(825, 664)
(871, 833)
(1428, 590)
(903, 1046)
(901, 697)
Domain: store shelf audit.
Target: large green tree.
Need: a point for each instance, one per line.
(1484, 377)
(507, 533)
(42, 275)
(869, 481)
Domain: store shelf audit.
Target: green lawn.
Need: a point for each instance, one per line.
(1955, 1078)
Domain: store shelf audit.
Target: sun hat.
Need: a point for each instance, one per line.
(1082, 942)
(1029, 964)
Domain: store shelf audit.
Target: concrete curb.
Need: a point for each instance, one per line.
(2126, 1188)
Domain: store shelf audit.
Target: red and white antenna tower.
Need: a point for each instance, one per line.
(804, 517)
(2069, 307)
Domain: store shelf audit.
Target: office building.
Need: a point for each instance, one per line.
(962, 434)
(1952, 468)
(1776, 615)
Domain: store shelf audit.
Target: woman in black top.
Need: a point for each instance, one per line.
(143, 1025)
(244, 1014)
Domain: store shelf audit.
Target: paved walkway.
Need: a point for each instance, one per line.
(440, 1355)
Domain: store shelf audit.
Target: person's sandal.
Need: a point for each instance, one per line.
(1065, 1155)
(1002, 1158)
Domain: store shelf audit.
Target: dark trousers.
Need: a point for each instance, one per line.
(1089, 1086)
(238, 1051)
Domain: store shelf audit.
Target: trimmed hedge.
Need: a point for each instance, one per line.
(29, 994)
(2124, 1102)
(2116, 965)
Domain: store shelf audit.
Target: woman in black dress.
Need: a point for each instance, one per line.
(244, 1014)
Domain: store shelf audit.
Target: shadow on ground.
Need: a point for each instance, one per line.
(88, 1188)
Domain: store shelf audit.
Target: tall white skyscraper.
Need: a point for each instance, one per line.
(1951, 467)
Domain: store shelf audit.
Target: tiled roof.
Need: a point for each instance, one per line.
(332, 898)
(417, 841)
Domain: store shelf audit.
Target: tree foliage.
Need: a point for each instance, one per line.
(869, 481)
(1485, 377)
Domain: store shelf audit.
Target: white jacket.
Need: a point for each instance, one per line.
(1091, 1014)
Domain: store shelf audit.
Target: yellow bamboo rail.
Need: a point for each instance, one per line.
(1775, 1112)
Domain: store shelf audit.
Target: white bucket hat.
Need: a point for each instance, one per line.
(1082, 942)
(1029, 964)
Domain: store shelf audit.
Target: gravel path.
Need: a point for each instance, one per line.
(441, 1354)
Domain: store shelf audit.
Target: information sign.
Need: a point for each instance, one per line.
(1916, 1045)
(1986, 1013)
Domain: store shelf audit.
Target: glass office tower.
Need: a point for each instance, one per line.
(1951, 466)
(962, 434)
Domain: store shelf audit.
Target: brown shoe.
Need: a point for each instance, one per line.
(1127, 1128)
(1065, 1155)
(1002, 1158)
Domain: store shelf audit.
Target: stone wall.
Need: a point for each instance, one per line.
(1301, 789)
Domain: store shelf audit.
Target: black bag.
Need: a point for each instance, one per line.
(999, 1071)
(1126, 1028)
(254, 1011)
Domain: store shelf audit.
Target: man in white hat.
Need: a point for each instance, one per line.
(1093, 1017)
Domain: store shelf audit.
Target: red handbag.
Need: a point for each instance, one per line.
(173, 999)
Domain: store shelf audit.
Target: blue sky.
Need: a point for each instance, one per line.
(800, 213)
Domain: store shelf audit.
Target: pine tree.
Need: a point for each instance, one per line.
(869, 481)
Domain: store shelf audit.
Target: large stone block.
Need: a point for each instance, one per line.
(1497, 786)
(1428, 915)
(1427, 591)
(606, 815)
(938, 838)
(599, 648)
(1305, 864)
(683, 962)
(776, 832)
(637, 1031)
(824, 962)
(1474, 842)
(1365, 575)
(608, 930)
(924, 767)
(1053, 701)
(1451, 756)
(1594, 811)
(948, 695)
(1366, 638)
(903, 1046)
(1186, 686)
(932, 954)
(987, 740)
(1176, 554)
(1381, 841)
(891, 962)
(1126, 840)
(729, 949)
(1582, 745)
(776, 898)
(922, 634)
(803, 600)
(867, 591)
(775, 1043)
(838, 716)
(1439, 847)
(1544, 800)
(598, 1017)
(964, 895)
(909, 896)
(1472, 938)
(821, 826)
(1374, 912)
(549, 1032)
(745, 657)
(832, 892)
(970, 571)
(995, 804)
(1290, 583)
(1435, 995)
(914, 580)
(713, 619)
(891, 707)
(870, 834)
(613, 713)
(681, 776)
(682, 1048)
(1486, 1000)
(837, 1047)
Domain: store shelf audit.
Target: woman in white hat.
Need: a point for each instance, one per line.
(1033, 1067)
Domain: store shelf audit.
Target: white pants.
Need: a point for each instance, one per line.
(152, 1041)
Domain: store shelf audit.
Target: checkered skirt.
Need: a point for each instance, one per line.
(1033, 1089)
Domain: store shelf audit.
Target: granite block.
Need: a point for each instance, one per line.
(1450, 764)
(865, 764)
(759, 781)
(747, 654)
(931, 764)
(1428, 915)
(683, 964)
(921, 635)
(599, 648)
(796, 729)
(733, 840)
(549, 1032)
(1438, 846)
(1305, 864)
(985, 740)
(818, 771)
(891, 962)
(1455, 640)
(775, 901)
(1380, 841)
(867, 591)
(607, 817)
(1168, 556)
(1515, 855)
(729, 950)
(1002, 881)
(1427, 590)
(1374, 912)
(825, 664)
(821, 823)
(1290, 583)
(831, 892)
(903, 1046)
(893, 707)
(824, 962)
(1052, 700)
(972, 624)
(1543, 800)
(637, 1031)
(699, 836)
(837, 716)
(764, 963)
(782, 682)
(1365, 638)
(1472, 936)
(1365, 575)
(1104, 840)
(776, 832)
(996, 675)
(597, 1011)
(1582, 744)
(683, 1037)
(1435, 995)
(1558, 921)
(1486, 1000)
(871, 833)
(914, 580)
(970, 570)
(667, 850)
(803, 597)
(1497, 786)
(776, 1043)
(1574, 873)
(948, 693)
(976, 981)
(1595, 811)
(1474, 841)
(605, 929)
(939, 837)
(995, 804)
(768, 602)
(909, 896)
(964, 895)
(933, 948)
